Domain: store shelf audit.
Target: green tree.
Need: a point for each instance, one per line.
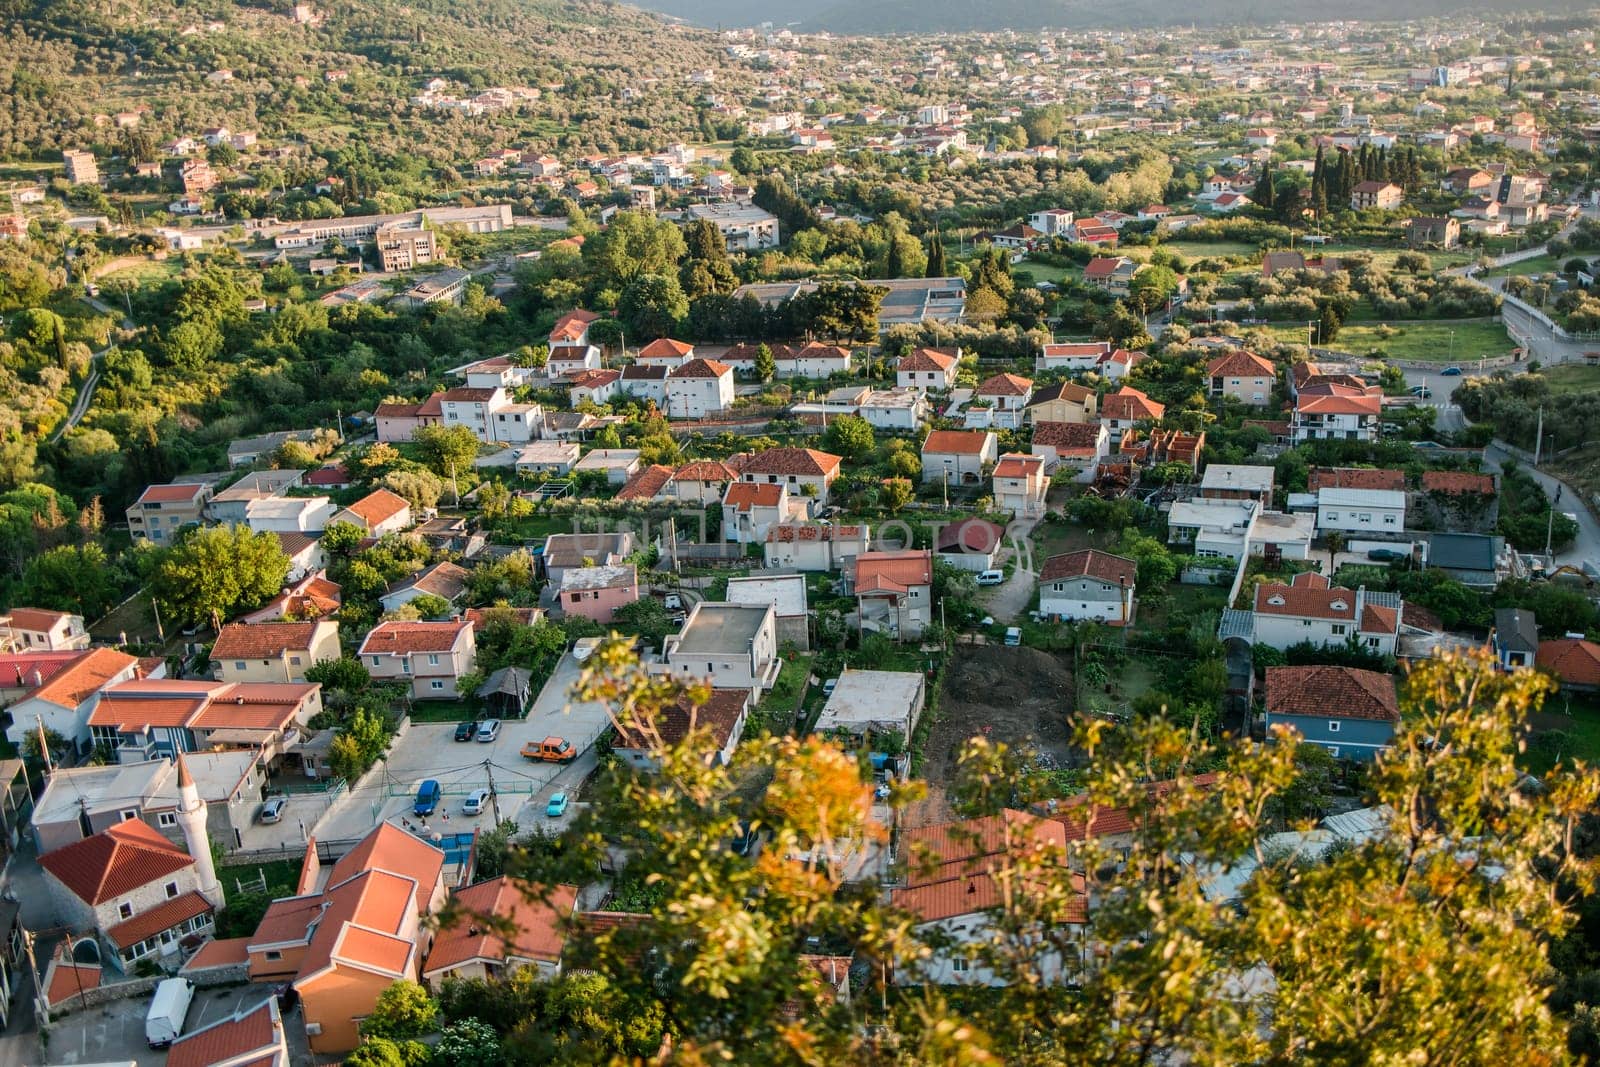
(347, 673)
(1152, 287)
(632, 245)
(653, 305)
(469, 1043)
(706, 268)
(76, 578)
(447, 450)
(765, 365)
(851, 436)
(937, 267)
(215, 572)
(404, 1011)
(896, 493)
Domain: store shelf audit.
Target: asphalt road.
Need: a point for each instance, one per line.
(1587, 544)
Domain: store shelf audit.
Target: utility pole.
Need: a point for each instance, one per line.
(39, 1008)
(155, 609)
(44, 746)
(494, 802)
(1538, 438)
(455, 487)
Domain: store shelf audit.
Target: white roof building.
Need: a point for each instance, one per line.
(879, 701)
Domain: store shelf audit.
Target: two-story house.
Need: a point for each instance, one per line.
(444, 579)
(273, 651)
(147, 718)
(1126, 408)
(1311, 609)
(1335, 412)
(805, 471)
(1382, 196)
(1074, 446)
(717, 724)
(1020, 484)
(64, 701)
(750, 509)
(806, 546)
(894, 591)
(1352, 713)
(42, 630)
(999, 401)
(429, 656)
(1361, 511)
(1062, 402)
(502, 926)
(698, 388)
(1088, 584)
(162, 510)
(665, 352)
(734, 644)
(928, 369)
(598, 592)
(1242, 376)
(379, 512)
(958, 457)
(1076, 357)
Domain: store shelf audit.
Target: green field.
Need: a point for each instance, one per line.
(1546, 264)
(1213, 249)
(1420, 339)
(1573, 378)
(1045, 272)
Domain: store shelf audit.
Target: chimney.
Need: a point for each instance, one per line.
(1361, 604)
(38, 678)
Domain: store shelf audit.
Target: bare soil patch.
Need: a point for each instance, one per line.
(1021, 696)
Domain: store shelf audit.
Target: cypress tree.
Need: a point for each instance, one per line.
(937, 268)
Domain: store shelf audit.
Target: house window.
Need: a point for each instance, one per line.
(1333, 726)
(238, 664)
(377, 661)
(1333, 516)
(1338, 629)
(167, 819)
(125, 910)
(960, 965)
(1333, 750)
(1389, 520)
(273, 954)
(129, 813)
(433, 659)
(294, 661)
(172, 889)
(436, 684)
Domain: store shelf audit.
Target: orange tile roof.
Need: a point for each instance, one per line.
(1331, 692)
(261, 640)
(594, 379)
(646, 483)
(286, 919)
(539, 933)
(1573, 660)
(571, 326)
(1005, 385)
(1068, 436)
(392, 849)
(24, 669)
(163, 916)
(1458, 483)
(115, 861)
(225, 1041)
(223, 952)
(956, 442)
(1355, 478)
(397, 637)
(1130, 403)
(665, 346)
(180, 493)
(742, 496)
(68, 979)
(705, 470)
(702, 368)
(1240, 364)
(927, 359)
(1075, 349)
(360, 924)
(1306, 598)
(378, 506)
(1016, 465)
(88, 674)
(893, 572)
(799, 461)
(254, 706)
(1092, 563)
(1309, 404)
(952, 867)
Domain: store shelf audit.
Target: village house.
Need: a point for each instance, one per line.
(1088, 584)
(894, 591)
(1382, 196)
(750, 509)
(958, 457)
(42, 630)
(593, 387)
(379, 512)
(699, 388)
(64, 701)
(805, 471)
(162, 510)
(476, 945)
(597, 592)
(1073, 356)
(734, 644)
(1574, 661)
(562, 551)
(1020, 484)
(929, 369)
(1078, 447)
(1062, 402)
(444, 579)
(273, 651)
(1335, 412)
(1431, 232)
(665, 352)
(1226, 481)
(1365, 511)
(1352, 713)
(718, 724)
(1114, 274)
(806, 546)
(429, 656)
(999, 402)
(1310, 608)
(1243, 376)
(147, 718)
(250, 1037)
(787, 595)
(1515, 638)
(1126, 408)
(400, 421)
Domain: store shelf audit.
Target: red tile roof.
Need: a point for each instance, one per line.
(396, 637)
(953, 867)
(718, 716)
(71, 685)
(163, 916)
(1458, 483)
(180, 493)
(1310, 404)
(468, 394)
(260, 1029)
(791, 461)
(742, 496)
(1092, 563)
(571, 326)
(893, 572)
(927, 359)
(262, 640)
(1068, 436)
(957, 442)
(665, 346)
(1077, 349)
(1102, 266)
(24, 669)
(702, 368)
(646, 483)
(971, 535)
(594, 379)
(68, 979)
(538, 924)
(1017, 465)
(1129, 403)
(1571, 659)
(1355, 478)
(392, 849)
(223, 952)
(1240, 364)
(1005, 385)
(378, 507)
(115, 861)
(1329, 692)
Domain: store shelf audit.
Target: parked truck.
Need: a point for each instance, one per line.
(550, 750)
(164, 1023)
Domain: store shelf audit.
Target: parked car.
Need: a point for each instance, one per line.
(829, 686)
(1451, 372)
(557, 806)
(1386, 555)
(272, 810)
(427, 801)
(488, 730)
(550, 750)
(1013, 636)
(673, 602)
(992, 578)
(475, 802)
(466, 731)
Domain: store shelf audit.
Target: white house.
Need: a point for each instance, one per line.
(894, 409)
(665, 352)
(750, 509)
(644, 383)
(999, 401)
(928, 368)
(1336, 412)
(815, 546)
(1360, 511)
(1213, 529)
(961, 456)
(1088, 584)
(735, 644)
(63, 701)
(699, 388)
(1020, 484)
(290, 514)
(1077, 446)
(1075, 357)
(1312, 609)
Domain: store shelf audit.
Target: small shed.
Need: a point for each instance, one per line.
(507, 691)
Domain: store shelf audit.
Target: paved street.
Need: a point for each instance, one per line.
(1587, 545)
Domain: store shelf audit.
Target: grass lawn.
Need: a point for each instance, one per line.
(1054, 538)
(1545, 264)
(1572, 378)
(443, 710)
(1568, 729)
(1153, 613)
(1420, 339)
(1213, 249)
(280, 875)
(776, 710)
(146, 272)
(1045, 272)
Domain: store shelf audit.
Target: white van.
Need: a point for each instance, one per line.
(164, 1024)
(992, 578)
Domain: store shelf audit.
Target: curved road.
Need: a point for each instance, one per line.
(80, 406)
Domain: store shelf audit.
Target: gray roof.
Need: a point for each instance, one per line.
(1462, 552)
(722, 628)
(1516, 629)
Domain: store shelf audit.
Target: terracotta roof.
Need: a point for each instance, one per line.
(893, 572)
(952, 867)
(707, 470)
(1102, 266)
(1017, 465)
(970, 535)
(180, 493)
(68, 979)
(665, 346)
(818, 350)
(1240, 364)
(1091, 563)
(76, 682)
(1458, 483)
(361, 923)
(163, 916)
(1308, 596)
(1103, 821)
(469, 394)
(396, 638)
(1130, 403)
(329, 474)
(20, 669)
(719, 715)
(1068, 436)
(378, 506)
(702, 368)
(1311, 404)
(1573, 660)
(252, 706)
(1005, 385)
(794, 532)
(568, 354)
(1329, 692)
(1068, 391)
(444, 579)
(219, 952)
(1077, 349)
(927, 359)
(646, 483)
(791, 461)
(394, 410)
(956, 442)
(115, 861)
(594, 379)
(538, 924)
(262, 639)
(742, 496)
(570, 326)
(260, 1029)
(392, 849)
(1355, 478)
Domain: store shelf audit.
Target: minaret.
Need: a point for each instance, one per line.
(192, 817)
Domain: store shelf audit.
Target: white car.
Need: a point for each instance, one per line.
(992, 578)
(488, 730)
(475, 802)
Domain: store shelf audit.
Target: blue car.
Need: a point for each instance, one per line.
(1451, 372)
(557, 806)
(427, 798)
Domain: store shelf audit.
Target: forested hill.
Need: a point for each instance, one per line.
(64, 61)
(956, 16)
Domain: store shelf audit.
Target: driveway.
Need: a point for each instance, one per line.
(1011, 600)
(429, 750)
(114, 1033)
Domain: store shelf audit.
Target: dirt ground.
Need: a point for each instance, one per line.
(1021, 696)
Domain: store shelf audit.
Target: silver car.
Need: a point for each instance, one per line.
(272, 810)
